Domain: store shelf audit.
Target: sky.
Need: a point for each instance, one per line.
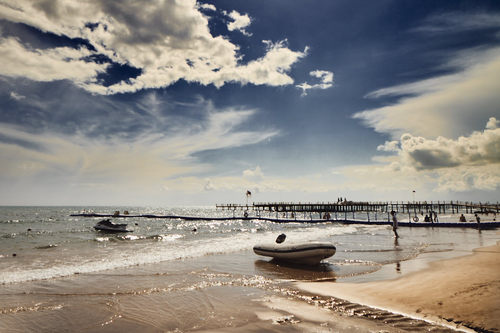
(175, 103)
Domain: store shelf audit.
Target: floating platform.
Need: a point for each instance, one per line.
(482, 225)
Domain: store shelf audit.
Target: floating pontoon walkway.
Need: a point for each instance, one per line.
(337, 219)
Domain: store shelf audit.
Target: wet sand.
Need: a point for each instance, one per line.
(462, 292)
(221, 293)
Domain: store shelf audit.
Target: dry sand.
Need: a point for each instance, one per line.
(460, 291)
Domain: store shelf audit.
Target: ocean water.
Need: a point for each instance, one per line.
(57, 274)
(46, 242)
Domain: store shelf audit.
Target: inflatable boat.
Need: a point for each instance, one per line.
(306, 253)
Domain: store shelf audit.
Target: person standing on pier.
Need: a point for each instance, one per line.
(394, 223)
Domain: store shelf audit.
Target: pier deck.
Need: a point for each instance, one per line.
(441, 207)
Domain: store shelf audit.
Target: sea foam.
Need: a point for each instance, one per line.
(173, 247)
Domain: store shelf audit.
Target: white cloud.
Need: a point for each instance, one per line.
(492, 123)
(208, 6)
(167, 40)
(480, 148)
(254, 175)
(469, 162)
(449, 105)
(47, 65)
(148, 159)
(416, 88)
(16, 96)
(326, 81)
(239, 23)
(389, 146)
(456, 22)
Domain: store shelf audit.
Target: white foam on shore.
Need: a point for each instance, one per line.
(174, 248)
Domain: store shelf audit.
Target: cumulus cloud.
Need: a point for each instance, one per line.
(47, 65)
(325, 78)
(469, 162)
(208, 6)
(167, 41)
(479, 148)
(492, 123)
(239, 22)
(389, 146)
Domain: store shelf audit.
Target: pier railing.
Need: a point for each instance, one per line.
(441, 207)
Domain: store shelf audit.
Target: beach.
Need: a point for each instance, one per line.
(196, 295)
(170, 275)
(461, 291)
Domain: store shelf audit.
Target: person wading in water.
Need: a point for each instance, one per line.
(394, 224)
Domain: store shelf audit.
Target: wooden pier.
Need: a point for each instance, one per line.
(415, 207)
(346, 212)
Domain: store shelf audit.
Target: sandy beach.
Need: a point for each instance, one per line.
(462, 292)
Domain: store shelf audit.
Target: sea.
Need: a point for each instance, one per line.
(54, 266)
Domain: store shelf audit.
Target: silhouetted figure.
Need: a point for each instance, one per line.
(435, 217)
(462, 218)
(394, 223)
(281, 238)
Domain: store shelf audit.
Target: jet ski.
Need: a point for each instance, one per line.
(108, 226)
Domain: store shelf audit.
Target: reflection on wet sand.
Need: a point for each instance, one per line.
(282, 270)
(398, 263)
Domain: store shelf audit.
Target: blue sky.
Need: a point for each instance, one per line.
(194, 103)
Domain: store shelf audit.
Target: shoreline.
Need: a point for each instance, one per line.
(462, 291)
